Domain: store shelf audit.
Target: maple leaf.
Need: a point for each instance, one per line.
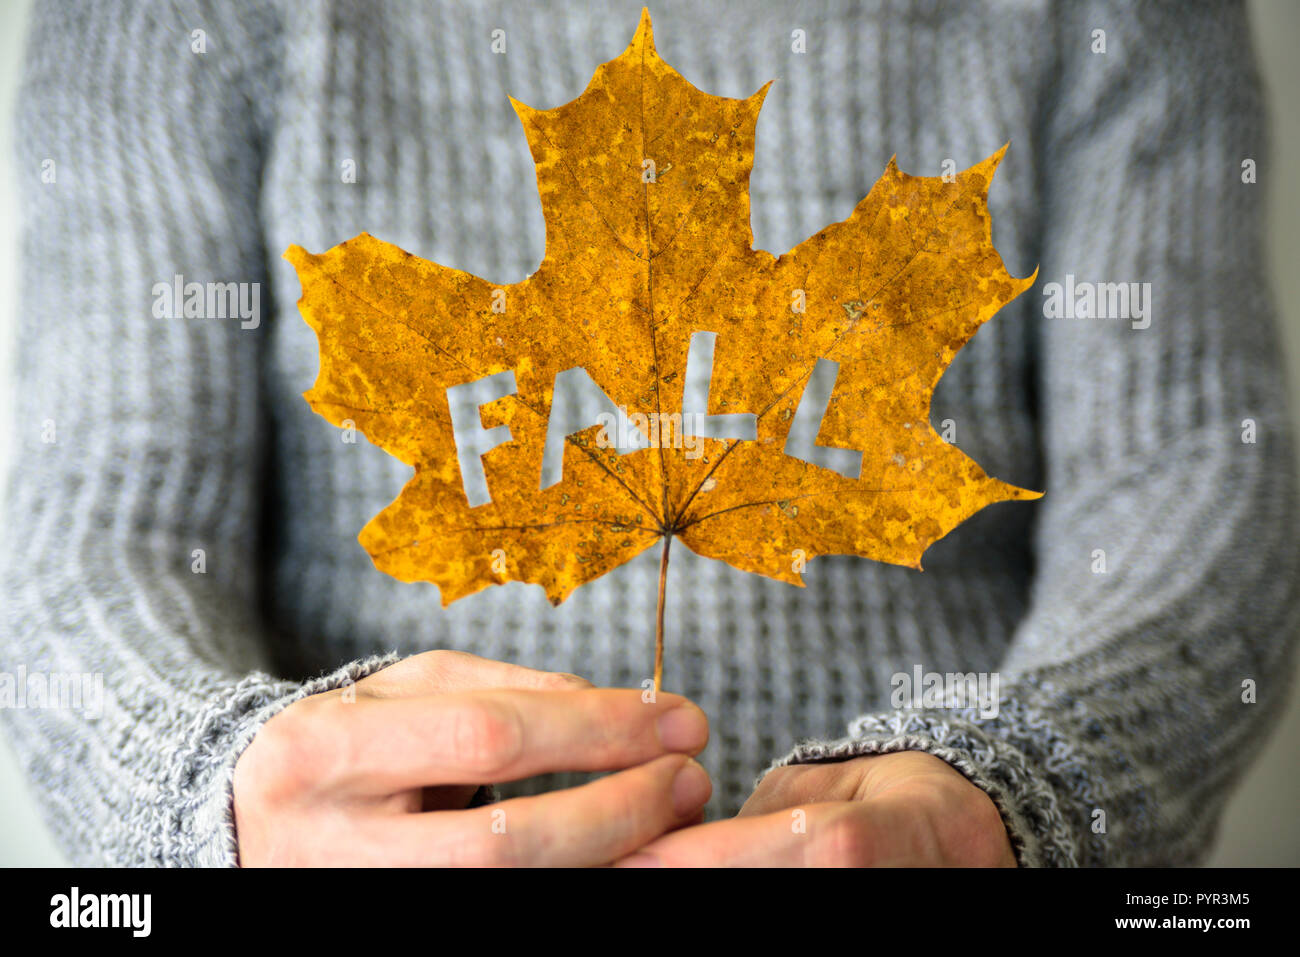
(644, 183)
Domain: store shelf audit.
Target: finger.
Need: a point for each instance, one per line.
(840, 834)
(445, 671)
(388, 744)
(584, 826)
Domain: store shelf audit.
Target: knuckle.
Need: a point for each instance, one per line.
(440, 659)
(563, 681)
(274, 765)
(487, 736)
(843, 841)
(335, 743)
(438, 666)
(309, 746)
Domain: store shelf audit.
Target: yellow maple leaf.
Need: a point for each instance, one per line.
(644, 182)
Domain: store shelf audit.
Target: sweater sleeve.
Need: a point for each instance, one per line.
(130, 557)
(1155, 652)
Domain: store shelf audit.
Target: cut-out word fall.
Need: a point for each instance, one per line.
(629, 432)
(649, 267)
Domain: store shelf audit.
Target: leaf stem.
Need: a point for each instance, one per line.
(659, 620)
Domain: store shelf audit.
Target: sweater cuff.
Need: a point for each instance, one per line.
(202, 827)
(1040, 834)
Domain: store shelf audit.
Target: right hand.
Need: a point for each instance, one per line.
(384, 780)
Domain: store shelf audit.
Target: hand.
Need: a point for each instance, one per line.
(385, 779)
(907, 809)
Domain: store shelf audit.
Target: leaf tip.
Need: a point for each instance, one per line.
(992, 163)
(1015, 493)
(645, 32)
(295, 255)
(522, 110)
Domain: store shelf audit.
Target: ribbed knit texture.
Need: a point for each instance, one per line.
(1121, 691)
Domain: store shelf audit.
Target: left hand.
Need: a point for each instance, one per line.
(905, 809)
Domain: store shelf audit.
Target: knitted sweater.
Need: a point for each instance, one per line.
(180, 522)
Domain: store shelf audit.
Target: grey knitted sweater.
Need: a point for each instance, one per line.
(180, 522)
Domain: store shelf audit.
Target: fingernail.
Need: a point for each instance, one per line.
(684, 728)
(691, 788)
(639, 860)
